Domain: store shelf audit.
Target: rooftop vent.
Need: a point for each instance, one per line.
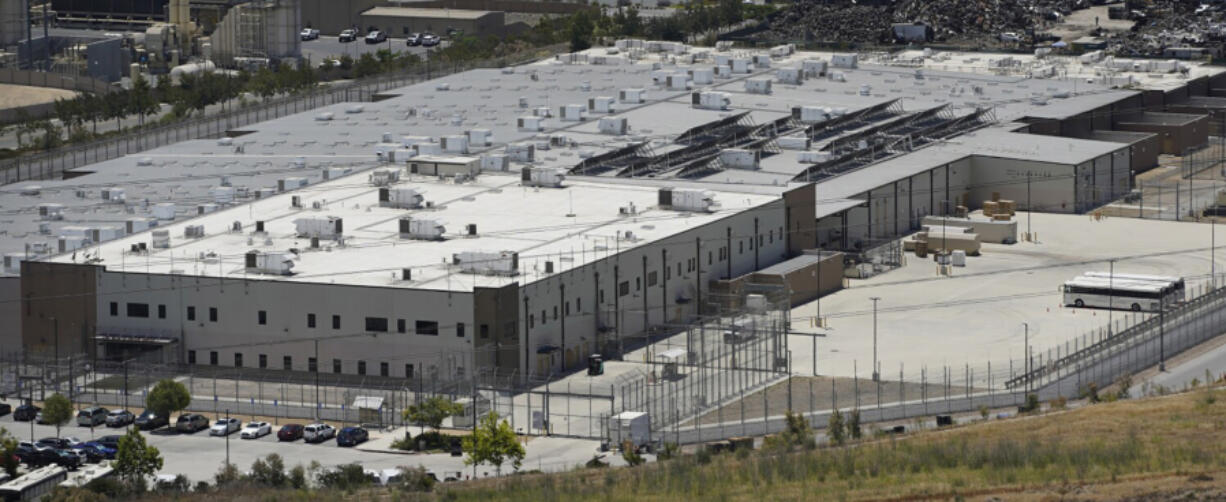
(503, 263)
(421, 229)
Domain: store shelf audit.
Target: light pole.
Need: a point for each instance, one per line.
(1111, 297)
(1026, 353)
(227, 437)
(316, 379)
(876, 374)
(1029, 210)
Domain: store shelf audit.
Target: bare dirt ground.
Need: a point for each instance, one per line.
(21, 95)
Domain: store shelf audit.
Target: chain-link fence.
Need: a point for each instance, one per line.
(53, 164)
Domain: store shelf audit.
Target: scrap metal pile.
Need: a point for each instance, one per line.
(1172, 24)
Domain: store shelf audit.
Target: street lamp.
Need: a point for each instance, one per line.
(876, 374)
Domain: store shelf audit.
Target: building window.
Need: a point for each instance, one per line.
(531, 320)
(408, 371)
(161, 311)
(740, 245)
(578, 305)
(336, 365)
(652, 278)
(601, 300)
(263, 317)
(191, 313)
(459, 331)
(336, 322)
(378, 324)
(138, 310)
(638, 283)
(238, 360)
(400, 326)
(567, 311)
(114, 309)
(312, 365)
(484, 331)
(263, 361)
(361, 367)
(623, 289)
(544, 317)
(212, 314)
(191, 357)
(427, 328)
(213, 358)
(288, 363)
(710, 257)
(555, 312)
(310, 320)
(383, 370)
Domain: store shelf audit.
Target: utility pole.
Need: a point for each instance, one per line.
(1029, 209)
(1026, 354)
(876, 375)
(1111, 297)
(56, 323)
(227, 438)
(316, 379)
(1162, 337)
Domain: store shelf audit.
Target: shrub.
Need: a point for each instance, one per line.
(269, 471)
(108, 486)
(1031, 404)
(297, 477)
(416, 479)
(405, 443)
(1059, 403)
(227, 474)
(178, 485)
(834, 428)
(983, 411)
(1123, 385)
(631, 455)
(344, 477)
(667, 451)
(595, 463)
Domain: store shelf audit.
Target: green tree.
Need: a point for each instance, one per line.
(493, 442)
(344, 477)
(136, 461)
(834, 429)
(581, 29)
(730, 12)
(853, 425)
(8, 453)
(142, 101)
(367, 65)
(167, 397)
(57, 410)
(269, 471)
(433, 411)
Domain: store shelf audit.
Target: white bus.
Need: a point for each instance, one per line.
(1117, 294)
(1176, 282)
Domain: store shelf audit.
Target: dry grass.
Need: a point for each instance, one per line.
(1149, 449)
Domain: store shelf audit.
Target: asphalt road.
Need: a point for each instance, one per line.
(199, 456)
(1177, 377)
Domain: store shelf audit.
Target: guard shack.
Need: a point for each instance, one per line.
(370, 410)
(670, 363)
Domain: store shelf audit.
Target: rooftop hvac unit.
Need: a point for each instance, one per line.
(530, 123)
(480, 137)
(794, 142)
(741, 65)
(486, 262)
(355, 109)
(470, 229)
(523, 102)
(269, 263)
(571, 113)
(103, 234)
(161, 239)
(222, 195)
(72, 242)
(709, 100)
(206, 208)
(559, 140)
(298, 163)
(522, 152)
(782, 51)
(761, 61)
(115, 195)
(164, 211)
(144, 161)
(633, 96)
(542, 177)
(614, 125)
(542, 111)
(385, 176)
(495, 162)
(688, 199)
(849, 61)
(722, 71)
(31, 189)
(737, 158)
(812, 157)
(12, 262)
(327, 227)
(51, 211)
(790, 76)
(678, 82)
(702, 76)
(758, 86)
(421, 229)
(866, 90)
(400, 197)
(332, 173)
(454, 143)
(138, 224)
(264, 193)
(421, 149)
(600, 104)
(226, 141)
(193, 231)
(291, 183)
(809, 114)
(324, 117)
(409, 141)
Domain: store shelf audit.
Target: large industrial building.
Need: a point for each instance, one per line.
(516, 220)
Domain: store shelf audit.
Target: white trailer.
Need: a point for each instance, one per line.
(632, 426)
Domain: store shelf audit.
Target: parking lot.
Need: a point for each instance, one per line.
(977, 314)
(326, 47)
(199, 456)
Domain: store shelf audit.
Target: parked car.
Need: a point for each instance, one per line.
(256, 430)
(5, 409)
(67, 459)
(107, 451)
(57, 443)
(348, 36)
(92, 453)
(149, 420)
(457, 448)
(429, 40)
(111, 442)
(352, 436)
(316, 433)
(1009, 36)
(290, 432)
(224, 426)
(413, 40)
(25, 413)
(309, 34)
(191, 422)
(40, 420)
(90, 417)
(33, 455)
(376, 37)
(119, 418)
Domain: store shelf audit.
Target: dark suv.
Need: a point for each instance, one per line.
(149, 420)
(351, 436)
(26, 413)
(191, 423)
